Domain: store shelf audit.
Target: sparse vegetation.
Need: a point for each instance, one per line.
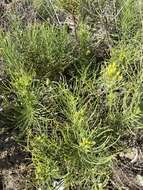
(71, 86)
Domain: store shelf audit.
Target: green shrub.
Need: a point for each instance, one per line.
(77, 146)
(130, 15)
(50, 50)
(84, 130)
(46, 49)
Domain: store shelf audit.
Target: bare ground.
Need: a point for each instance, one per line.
(15, 168)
